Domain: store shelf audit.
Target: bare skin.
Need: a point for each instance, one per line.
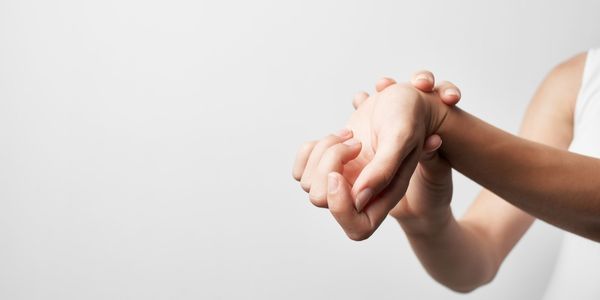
(539, 178)
(367, 157)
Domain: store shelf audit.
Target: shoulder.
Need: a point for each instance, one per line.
(563, 82)
(550, 115)
(573, 66)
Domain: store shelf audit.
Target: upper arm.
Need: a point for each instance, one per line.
(548, 120)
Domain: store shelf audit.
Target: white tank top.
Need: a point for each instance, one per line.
(577, 271)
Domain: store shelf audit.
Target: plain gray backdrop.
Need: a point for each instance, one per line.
(146, 146)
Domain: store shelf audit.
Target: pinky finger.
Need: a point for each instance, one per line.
(302, 159)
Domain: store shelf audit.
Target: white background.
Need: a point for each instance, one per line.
(146, 146)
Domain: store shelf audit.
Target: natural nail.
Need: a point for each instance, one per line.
(363, 198)
(451, 92)
(422, 77)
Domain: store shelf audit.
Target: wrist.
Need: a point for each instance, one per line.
(438, 112)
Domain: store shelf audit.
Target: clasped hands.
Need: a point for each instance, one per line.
(362, 173)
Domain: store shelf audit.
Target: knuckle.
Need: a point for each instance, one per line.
(401, 92)
(405, 132)
(336, 210)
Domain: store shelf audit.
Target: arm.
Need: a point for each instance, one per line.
(464, 254)
(389, 126)
(554, 185)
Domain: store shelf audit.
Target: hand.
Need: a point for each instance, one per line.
(430, 190)
(311, 153)
(426, 205)
(429, 193)
(312, 162)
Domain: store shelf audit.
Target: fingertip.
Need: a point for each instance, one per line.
(359, 98)
(423, 80)
(432, 143)
(383, 83)
(449, 93)
(353, 149)
(451, 101)
(296, 175)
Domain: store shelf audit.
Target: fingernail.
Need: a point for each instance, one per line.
(363, 198)
(351, 142)
(451, 92)
(332, 183)
(438, 146)
(343, 132)
(422, 77)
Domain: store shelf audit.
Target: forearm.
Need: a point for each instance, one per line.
(559, 187)
(454, 253)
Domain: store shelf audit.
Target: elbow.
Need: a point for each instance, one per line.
(462, 289)
(466, 288)
(469, 284)
(588, 227)
(592, 232)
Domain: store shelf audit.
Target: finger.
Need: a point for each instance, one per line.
(434, 168)
(317, 152)
(301, 159)
(359, 98)
(333, 160)
(377, 174)
(341, 206)
(449, 93)
(382, 204)
(383, 83)
(423, 80)
(432, 143)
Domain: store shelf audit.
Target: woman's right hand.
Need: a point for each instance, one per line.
(360, 225)
(426, 206)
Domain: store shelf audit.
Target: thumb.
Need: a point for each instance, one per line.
(430, 146)
(380, 171)
(434, 168)
(341, 205)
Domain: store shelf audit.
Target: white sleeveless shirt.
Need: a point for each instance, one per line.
(577, 271)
